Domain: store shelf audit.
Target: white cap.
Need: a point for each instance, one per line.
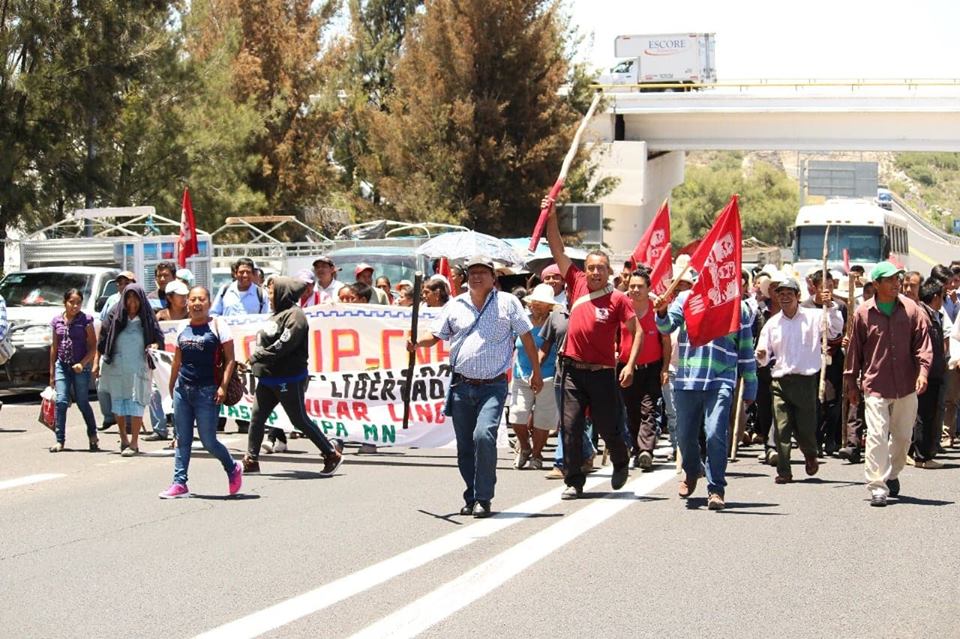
(541, 293)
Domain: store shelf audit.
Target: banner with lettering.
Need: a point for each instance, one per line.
(358, 375)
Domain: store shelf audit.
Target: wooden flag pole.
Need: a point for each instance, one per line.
(558, 185)
(848, 329)
(824, 350)
(412, 359)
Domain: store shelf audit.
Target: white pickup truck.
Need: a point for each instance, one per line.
(33, 298)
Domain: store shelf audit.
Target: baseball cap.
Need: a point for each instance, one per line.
(324, 259)
(790, 283)
(176, 287)
(885, 269)
(186, 275)
(479, 260)
(126, 275)
(361, 267)
(305, 275)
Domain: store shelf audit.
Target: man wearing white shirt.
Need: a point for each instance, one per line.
(792, 338)
(327, 286)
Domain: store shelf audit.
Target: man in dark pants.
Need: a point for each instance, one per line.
(590, 377)
(926, 433)
(829, 434)
(651, 373)
(482, 326)
(792, 338)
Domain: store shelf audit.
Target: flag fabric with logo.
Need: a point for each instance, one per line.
(713, 308)
(187, 244)
(654, 250)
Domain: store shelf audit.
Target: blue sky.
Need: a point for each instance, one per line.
(776, 39)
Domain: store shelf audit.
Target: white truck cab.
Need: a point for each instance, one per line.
(33, 298)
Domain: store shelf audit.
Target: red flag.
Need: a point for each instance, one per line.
(846, 261)
(713, 308)
(187, 244)
(443, 268)
(654, 250)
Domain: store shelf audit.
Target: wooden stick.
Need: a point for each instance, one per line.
(412, 359)
(824, 350)
(567, 161)
(848, 330)
(737, 421)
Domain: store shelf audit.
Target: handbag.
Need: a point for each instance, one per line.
(235, 387)
(48, 408)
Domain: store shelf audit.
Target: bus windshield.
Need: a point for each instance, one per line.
(863, 243)
(42, 288)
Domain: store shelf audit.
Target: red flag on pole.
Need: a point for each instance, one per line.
(654, 250)
(713, 308)
(187, 244)
(443, 268)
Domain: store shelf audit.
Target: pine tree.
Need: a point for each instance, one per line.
(476, 130)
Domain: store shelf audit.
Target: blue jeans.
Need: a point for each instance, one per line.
(196, 404)
(69, 383)
(158, 419)
(476, 412)
(588, 449)
(712, 407)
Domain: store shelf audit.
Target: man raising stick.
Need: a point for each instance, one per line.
(587, 366)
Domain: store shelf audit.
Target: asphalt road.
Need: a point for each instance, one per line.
(377, 551)
(927, 245)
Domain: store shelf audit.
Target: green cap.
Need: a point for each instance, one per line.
(884, 269)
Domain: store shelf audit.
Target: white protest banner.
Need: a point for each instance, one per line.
(353, 396)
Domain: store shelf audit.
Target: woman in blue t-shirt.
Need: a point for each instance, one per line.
(74, 346)
(196, 393)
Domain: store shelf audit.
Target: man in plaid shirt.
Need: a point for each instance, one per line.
(704, 391)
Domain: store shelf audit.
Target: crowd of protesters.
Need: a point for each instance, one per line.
(586, 353)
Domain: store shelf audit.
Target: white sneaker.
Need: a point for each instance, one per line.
(267, 447)
(523, 456)
(280, 446)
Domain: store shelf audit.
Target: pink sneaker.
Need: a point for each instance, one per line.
(236, 479)
(176, 491)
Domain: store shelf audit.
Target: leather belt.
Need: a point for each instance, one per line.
(458, 378)
(583, 366)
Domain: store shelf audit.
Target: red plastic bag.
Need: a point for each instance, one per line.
(48, 408)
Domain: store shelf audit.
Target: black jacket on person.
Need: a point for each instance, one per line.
(282, 342)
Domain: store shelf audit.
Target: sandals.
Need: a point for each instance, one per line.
(56, 448)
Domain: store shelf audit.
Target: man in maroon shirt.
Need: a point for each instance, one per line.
(890, 348)
(587, 367)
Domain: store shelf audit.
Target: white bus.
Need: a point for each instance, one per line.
(869, 234)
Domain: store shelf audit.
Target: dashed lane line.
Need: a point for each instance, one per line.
(29, 479)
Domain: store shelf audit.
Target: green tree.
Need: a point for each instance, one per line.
(768, 201)
(475, 130)
(366, 68)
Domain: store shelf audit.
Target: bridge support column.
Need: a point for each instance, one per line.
(644, 182)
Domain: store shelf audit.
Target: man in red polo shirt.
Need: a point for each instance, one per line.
(651, 372)
(587, 367)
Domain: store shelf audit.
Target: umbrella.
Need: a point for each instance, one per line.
(464, 244)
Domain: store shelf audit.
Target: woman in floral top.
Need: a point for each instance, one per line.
(74, 346)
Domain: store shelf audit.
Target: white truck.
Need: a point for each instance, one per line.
(59, 257)
(671, 58)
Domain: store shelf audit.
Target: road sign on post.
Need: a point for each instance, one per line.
(842, 179)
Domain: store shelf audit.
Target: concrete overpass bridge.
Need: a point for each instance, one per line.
(642, 137)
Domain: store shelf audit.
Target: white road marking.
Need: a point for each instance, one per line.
(29, 479)
(432, 608)
(334, 592)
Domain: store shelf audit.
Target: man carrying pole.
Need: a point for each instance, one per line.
(792, 339)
